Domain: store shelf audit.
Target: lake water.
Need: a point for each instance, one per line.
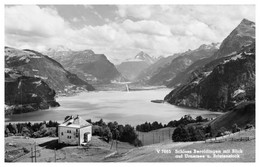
(124, 107)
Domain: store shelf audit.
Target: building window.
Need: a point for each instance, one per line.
(68, 131)
(62, 133)
(69, 137)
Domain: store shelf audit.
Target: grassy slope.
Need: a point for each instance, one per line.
(149, 153)
(96, 151)
(241, 115)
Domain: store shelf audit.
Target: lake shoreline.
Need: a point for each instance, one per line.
(107, 88)
(132, 108)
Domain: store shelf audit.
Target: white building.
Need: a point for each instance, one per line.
(74, 131)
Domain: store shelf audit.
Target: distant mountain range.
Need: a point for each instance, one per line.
(34, 64)
(151, 70)
(164, 71)
(177, 69)
(131, 68)
(223, 80)
(91, 67)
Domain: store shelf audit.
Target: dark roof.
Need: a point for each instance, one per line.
(75, 122)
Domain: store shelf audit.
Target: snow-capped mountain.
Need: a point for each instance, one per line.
(133, 67)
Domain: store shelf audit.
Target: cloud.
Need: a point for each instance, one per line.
(34, 21)
(98, 15)
(214, 19)
(155, 29)
(88, 7)
(140, 11)
(200, 30)
(146, 27)
(75, 19)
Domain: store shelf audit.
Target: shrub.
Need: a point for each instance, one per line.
(249, 126)
(51, 132)
(25, 131)
(190, 133)
(96, 130)
(172, 123)
(186, 119)
(180, 134)
(128, 134)
(235, 128)
(107, 134)
(118, 132)
(137, 143)
(12, 128)
(7, 131)
(100, 123)
(227, 133)
(25, 150)
(223, 129)
(196, 134)
(36, 134)
(221, 132)
(113, 126)
(208, 131)
(199, 119)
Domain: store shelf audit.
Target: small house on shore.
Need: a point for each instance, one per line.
(74, 131)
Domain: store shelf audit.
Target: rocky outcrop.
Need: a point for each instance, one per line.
(182, 62)
(242, 35)
(223, 83)
(26, 94)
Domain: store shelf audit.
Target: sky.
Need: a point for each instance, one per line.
(121, 31)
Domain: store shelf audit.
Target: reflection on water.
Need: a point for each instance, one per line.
(124, 107)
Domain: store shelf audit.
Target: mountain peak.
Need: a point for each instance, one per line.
(58, 48)
(144, 57)
(245, 26)
(209, 46)
(89, 52)
(243, 34)
(141, 55)
(246, 22)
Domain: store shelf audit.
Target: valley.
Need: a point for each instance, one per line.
(193, 93)
(207, 81)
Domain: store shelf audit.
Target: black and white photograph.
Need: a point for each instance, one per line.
(129, 83)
